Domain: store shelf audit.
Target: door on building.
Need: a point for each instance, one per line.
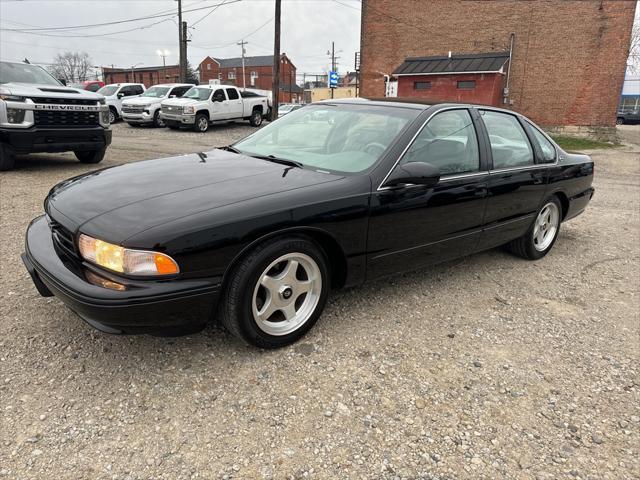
(234, 103)
(415, 225)
(517, 183)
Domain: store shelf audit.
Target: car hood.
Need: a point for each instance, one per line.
(116, 203)
(141, 101)
(181, 102)
(51, 91)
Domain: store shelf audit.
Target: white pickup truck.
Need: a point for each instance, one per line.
(206, 104)
(115, 92)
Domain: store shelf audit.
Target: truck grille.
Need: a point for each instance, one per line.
(62, 238)
(171, 109)
(64, 101)
(132, 109)
(66, 119)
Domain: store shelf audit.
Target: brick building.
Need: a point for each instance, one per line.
(258, 74)
(567, 64)
(147, 75)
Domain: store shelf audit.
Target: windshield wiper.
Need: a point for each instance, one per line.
(282, 161)
(230, 148)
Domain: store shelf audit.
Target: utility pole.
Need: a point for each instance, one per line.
(183, 73)
(181, 62)
(333, 62)
(275, 88)
(244, 78)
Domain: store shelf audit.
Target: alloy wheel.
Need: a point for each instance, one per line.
(286, 294)
(546, 226)
(112, 116)
(203, 124)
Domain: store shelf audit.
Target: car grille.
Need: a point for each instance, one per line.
(66, 119)
(171, 109)
(64, 101)
(63, 238)
(132, 109)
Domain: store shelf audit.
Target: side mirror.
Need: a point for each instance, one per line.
(172, 96)
(415, 173)
(120, 95)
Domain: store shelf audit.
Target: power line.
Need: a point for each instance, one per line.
(207, 14)
(212, 47)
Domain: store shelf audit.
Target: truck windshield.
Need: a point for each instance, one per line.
(198, 93)
(338, 137)
(156, 92)
(25, 73)
(108, 90)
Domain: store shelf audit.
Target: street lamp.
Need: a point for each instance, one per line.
(164, 54)
(133, 75)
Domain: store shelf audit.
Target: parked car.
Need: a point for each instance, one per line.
(89, 85)
(115, 93)
(145, 109)
(206, 104)
(262, 230)
(39, 114)
(628, 116)
(285, 108)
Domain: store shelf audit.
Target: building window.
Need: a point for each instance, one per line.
(254, 75)
(466, 84)
(421, 85)
(231, 75)
(208, 66)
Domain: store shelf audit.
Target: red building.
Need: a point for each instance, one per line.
(471, 78)
(258, 73)
(148, 76)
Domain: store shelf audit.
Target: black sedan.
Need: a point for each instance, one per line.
(256, 234)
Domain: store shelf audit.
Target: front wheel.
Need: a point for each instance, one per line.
(619, 121)
(157, 120)
(91, 156)
(256, 118)
(541, 236)
(276, 293)
(113, 115)
(7, 160)
(201, 124)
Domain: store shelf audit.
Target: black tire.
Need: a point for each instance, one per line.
(235, 307)
(525, 246)
(256, 118)
(134, 125)
(7, 159)
(157, 121)
(174, 127)
(91, 156)
(113, 115)
(619, 121)
(202, 123)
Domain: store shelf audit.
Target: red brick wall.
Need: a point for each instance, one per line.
(568, 62)
(147, 77)
(445, 87)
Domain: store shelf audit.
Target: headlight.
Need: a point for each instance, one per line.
(124, 260)
(189, 109)
(102, 101)
(12, 98)
(104, 117)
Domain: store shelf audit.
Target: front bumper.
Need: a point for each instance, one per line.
(38, 139)
(141, 118)
(158, 307)
(177, 119)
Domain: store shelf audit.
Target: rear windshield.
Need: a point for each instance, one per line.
(25, 73)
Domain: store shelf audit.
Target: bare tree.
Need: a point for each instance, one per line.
(71, 66)
(634, 48)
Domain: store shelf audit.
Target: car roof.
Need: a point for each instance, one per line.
(212, 86)
(122, 84)
(174, 85)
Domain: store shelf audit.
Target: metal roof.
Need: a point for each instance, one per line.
(491, 62)
(259, 61)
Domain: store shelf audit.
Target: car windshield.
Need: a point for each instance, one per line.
(198, 93)
(25, 73)
(285, 108)
(337, 137)
(156, 92)
(108, 90)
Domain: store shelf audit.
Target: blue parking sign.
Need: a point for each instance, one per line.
(333, 79)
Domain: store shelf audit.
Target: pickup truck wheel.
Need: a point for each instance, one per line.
(202, 123)
(256, 118)
(276, 293)
(113, 115)
(91, 156)
(7, 160)
(157, 121)
(619, 121)
(541, 236)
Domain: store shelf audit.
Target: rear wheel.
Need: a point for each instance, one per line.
(256, 118)
(157, 121)
(202, 123)
(276, 293)
(7, 160)
(91, 156)
(541, 236)
(619, 121)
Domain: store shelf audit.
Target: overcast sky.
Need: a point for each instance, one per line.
(308, 27)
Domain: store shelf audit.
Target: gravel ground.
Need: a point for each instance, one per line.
(488, 367)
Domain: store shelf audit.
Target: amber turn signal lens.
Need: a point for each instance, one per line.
(165, 265)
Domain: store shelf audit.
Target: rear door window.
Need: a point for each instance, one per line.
(548, 150)
(510, 146)
(232, 93)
